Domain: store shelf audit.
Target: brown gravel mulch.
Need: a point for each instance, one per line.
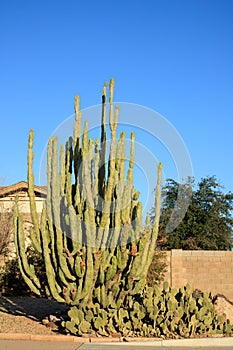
(24, 314)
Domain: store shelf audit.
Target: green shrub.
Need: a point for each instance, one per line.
(11, 280)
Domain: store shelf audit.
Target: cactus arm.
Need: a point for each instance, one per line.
(96, 163)
(75, 232)
(48, 208)
(27, 270)
(78, 120)
(102, 151)
(50, 273)
(155, 228)
(88, 280)
(77, 135)
(31, 192)
(36, 244)
(68, 171)
(148, 240)
(54, 182)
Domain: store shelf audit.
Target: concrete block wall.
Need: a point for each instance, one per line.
(205, 270)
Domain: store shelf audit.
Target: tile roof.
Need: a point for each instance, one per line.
(22, 185)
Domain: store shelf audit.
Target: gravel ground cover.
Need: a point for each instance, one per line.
(24, 314)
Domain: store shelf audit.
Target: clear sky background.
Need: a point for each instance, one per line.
(173, 56)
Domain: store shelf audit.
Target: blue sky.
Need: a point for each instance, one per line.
(172, 56)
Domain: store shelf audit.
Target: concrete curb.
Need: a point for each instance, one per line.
(195, 342)
(37, 337)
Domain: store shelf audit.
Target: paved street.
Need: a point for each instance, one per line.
(143, 347)
(49, 345)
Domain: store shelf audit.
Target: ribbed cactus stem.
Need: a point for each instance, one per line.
(96, 161)
(88, 281)
(102, 152)
(103, 119)
(27, 270)
(77, 106)
(62, 167)
(31, 192)
(121, 156)
(131, 163)
(111, 107)
(148, 240)
(104, 93)
(111, 90)
(77, 134)
(85, 139)
(116, 117)
(78, 118)
(157, 205)
(50, 273)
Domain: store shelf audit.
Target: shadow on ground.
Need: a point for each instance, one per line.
(31, 307)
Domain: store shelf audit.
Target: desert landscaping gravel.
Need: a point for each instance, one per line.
(24, 314)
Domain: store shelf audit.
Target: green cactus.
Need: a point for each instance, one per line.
(70, 326)
(91, 232)
(95, 248)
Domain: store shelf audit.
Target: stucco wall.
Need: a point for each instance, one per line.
(205, 270)
(7, 203)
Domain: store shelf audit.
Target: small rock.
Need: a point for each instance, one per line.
(52, 325)
(53, 318)
(45, 321)
(224, 307)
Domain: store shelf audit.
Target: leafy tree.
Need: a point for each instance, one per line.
(207, 223)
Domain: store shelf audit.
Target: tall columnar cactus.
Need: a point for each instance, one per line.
(91, 236)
